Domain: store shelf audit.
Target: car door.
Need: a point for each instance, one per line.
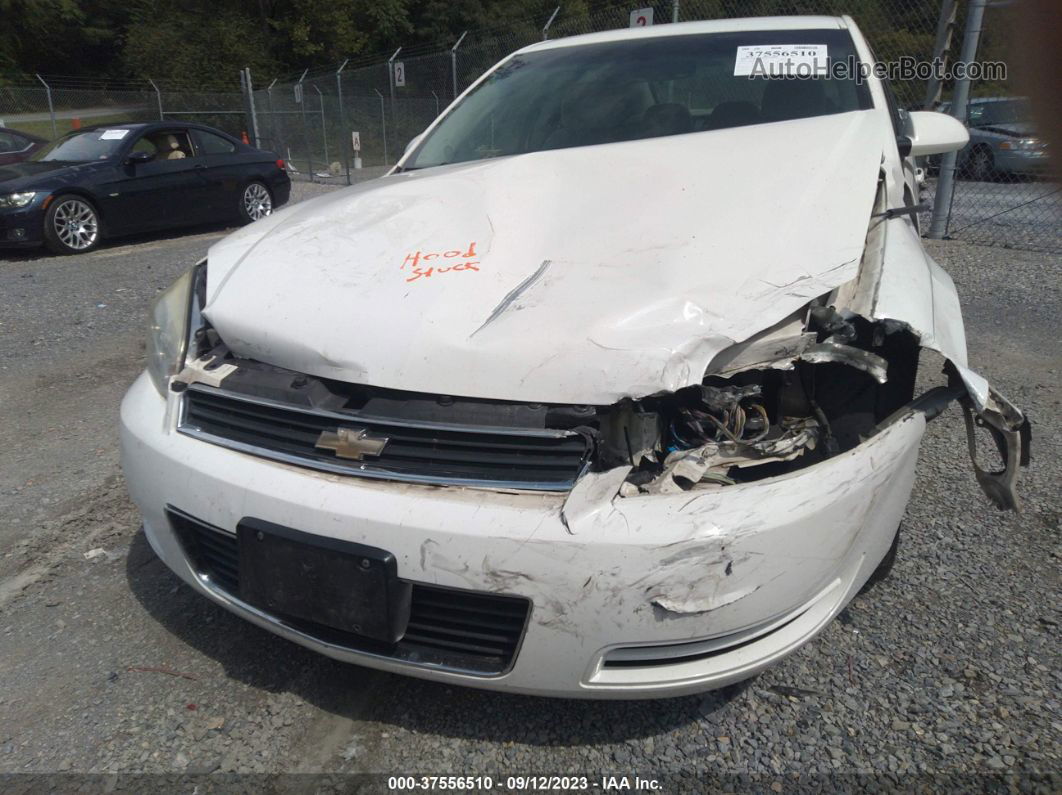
(167, 191)
(220, 165)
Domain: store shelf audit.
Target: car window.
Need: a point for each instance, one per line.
(638, 88)
(144, 144)
(12, 143)
(210, 144)
(1009, 111)
(171, 144)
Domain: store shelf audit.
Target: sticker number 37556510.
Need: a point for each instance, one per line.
(781, 60)
(424, 265)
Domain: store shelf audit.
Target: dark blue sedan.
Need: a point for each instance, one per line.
(122, 179)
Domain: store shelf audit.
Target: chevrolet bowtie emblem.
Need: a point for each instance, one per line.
(355, 443)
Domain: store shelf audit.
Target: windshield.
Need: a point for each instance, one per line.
(983, 114)
(85, 146)
(643, 88)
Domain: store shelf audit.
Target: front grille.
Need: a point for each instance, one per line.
(425, 452)
(465, 630)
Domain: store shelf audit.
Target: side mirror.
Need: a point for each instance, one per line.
(139, 157)
(935, 133)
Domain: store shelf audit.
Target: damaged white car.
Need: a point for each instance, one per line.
(607, 390)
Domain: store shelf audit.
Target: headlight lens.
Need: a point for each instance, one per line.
(13, 200)
(168, 335)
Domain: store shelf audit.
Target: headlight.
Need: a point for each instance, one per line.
(168, 335)
(12, 200)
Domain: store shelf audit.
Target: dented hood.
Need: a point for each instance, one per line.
(571, 276)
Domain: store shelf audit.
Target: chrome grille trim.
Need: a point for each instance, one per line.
(378, 469)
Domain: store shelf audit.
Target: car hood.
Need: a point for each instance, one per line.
(1016, 128)
(33, 173)
(571, 276)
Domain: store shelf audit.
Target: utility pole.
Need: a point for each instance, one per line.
(941, 46)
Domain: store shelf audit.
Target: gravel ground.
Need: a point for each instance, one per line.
(950, 668)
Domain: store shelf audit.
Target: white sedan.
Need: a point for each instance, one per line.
(607, 390)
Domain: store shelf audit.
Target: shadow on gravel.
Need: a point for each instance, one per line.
(34, 254)
(262, 660)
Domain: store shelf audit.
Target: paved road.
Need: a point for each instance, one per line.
(12, 119)
(110, 664)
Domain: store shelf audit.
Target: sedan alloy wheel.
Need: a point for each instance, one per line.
(76, 224)
(257, 203)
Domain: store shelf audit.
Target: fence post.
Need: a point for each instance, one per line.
(275, 139)
(383, 123)
(545, 29)
(674, 10)
(391, 83)
(158, 98)
(305, 132)
(51, 108)
(436, 102)
(342, 121)
(324, 127)
(254, 113)
(453, 60)
(960, 97)
(945, 30)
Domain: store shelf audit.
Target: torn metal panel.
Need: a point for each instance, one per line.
(916, 291)
(592, 494)
(913, 290)
(868, 362)
(638, 299)
(209, 369)
(727, 566)
(776, 347)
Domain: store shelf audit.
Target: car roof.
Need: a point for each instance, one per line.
(148, 126)
(691, 28)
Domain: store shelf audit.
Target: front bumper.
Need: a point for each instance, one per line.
(1018, 161)
(644, 596)
(22, 228)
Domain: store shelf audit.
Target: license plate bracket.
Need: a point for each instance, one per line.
(341, 584)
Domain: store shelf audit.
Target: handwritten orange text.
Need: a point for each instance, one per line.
(440, 262)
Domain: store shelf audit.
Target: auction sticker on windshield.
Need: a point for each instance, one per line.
(780, 60)
(113, 135)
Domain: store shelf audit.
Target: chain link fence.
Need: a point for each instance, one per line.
(1004, 192)
(49, 107)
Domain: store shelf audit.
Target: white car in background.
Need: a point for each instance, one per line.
(607, 390)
